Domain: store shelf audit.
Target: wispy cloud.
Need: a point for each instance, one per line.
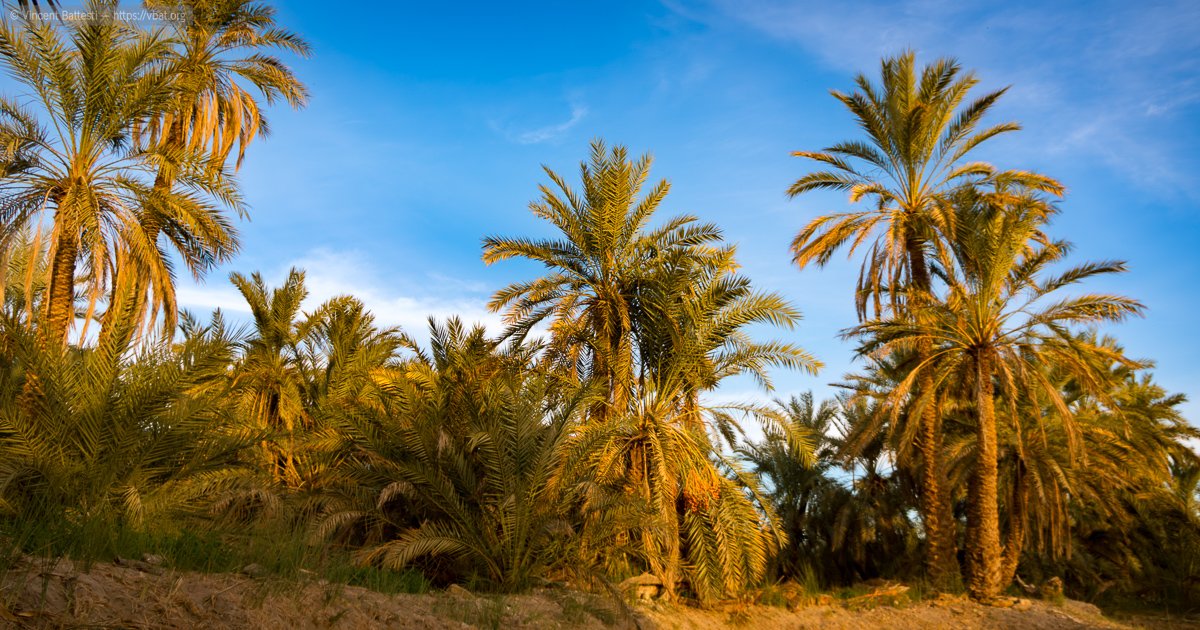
(548, 132)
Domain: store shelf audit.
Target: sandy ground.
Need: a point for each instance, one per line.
(949, 614)
(56, 594)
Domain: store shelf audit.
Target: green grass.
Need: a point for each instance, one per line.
(772, 595)
(279, 553)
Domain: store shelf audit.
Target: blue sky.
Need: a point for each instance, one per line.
(428, 125)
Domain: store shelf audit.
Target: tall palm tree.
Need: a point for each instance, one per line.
(997, 324)
(220, 57)
(920, 129)
(653, 317)
(90, 82)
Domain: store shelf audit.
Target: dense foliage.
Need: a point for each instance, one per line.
(993, 437)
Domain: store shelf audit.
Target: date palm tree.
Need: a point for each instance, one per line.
(696, 316)
(920, 131)
(269, 380)
(88, 84)
(1126, 441)
(1000, 322)
(599, 269)
(653, 317)
(799, 481)
(220, 58)
(91, 441)
(463, 467)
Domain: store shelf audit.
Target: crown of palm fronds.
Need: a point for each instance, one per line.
(606, 258)
(919, 129)
(1000, 298)
(219, 60)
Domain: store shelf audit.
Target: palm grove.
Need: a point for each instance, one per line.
(993, 433)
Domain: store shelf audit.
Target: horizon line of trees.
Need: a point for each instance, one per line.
(993, 433)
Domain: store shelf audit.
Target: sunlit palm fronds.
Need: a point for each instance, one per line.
(473, 456)
(87, 83)
(920, 128)
(92, 441)
(598, 268)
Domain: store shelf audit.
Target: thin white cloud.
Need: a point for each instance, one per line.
(331, 273)
(549, 132)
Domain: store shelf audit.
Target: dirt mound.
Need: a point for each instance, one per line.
(56, 594)
(141, 594)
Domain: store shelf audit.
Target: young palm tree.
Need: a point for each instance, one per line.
(345, 355)
(997, 324)
(269, 380)
(799, 480)
(90, 82)
(91, 441)
(707, 519)
(920, 130)
(464, 469)
(848, 514)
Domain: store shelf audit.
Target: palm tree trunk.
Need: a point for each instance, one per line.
(600, 411)
(1016, 528)
(60, 299)
(983, 515)
(941, 562)
(660, 543)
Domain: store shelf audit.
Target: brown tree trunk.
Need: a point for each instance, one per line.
(60, 298)
(601, 355)
(1016, 528)
(983, 515)
(941, 561)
